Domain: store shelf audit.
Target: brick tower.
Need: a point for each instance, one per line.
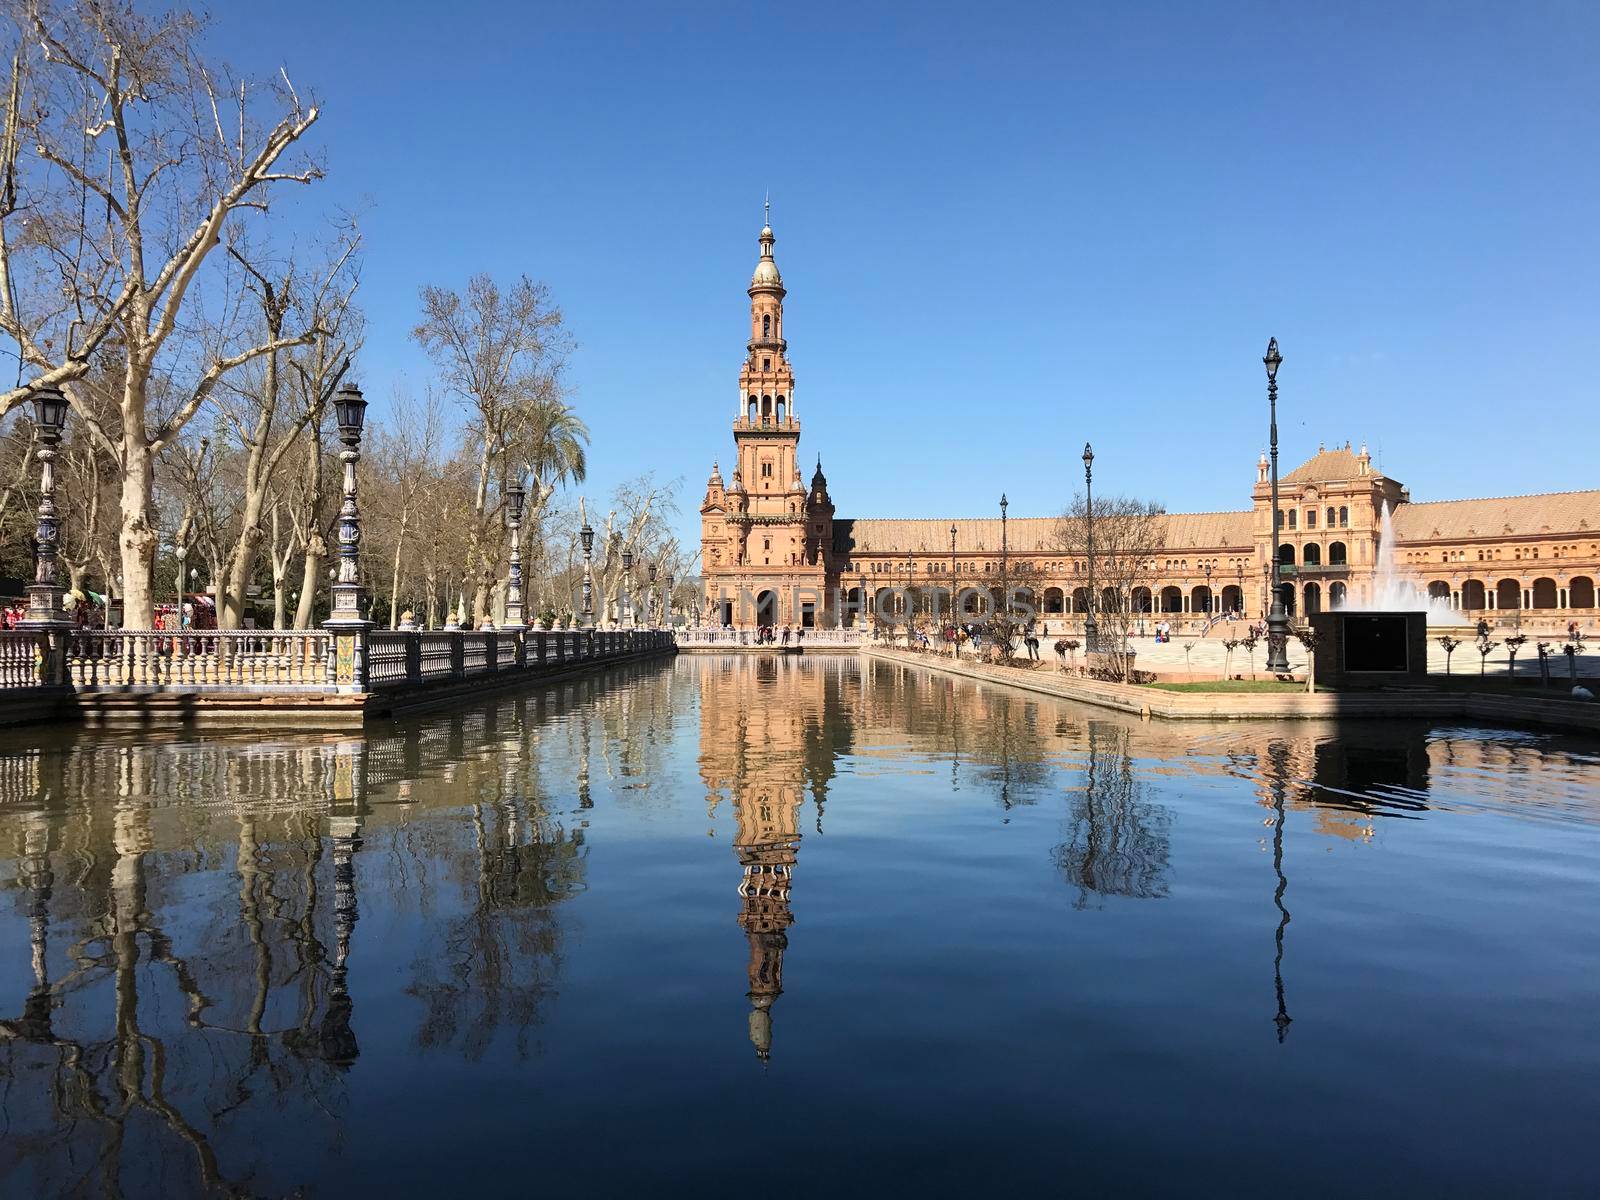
(762, 533)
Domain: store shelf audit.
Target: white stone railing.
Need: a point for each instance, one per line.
(22, 659)
(298, 660)
(211, 658)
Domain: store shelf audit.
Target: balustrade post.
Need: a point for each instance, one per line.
(413, 655)
(458, 654)
(491, 652)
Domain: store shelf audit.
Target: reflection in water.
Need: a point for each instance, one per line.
(208, 946)
(1117, 842)
(1280, 786)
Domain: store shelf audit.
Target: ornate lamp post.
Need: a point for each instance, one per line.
(348, 597)
(1091, 632)
(666, 600)
(44, 593)
(1005, 591)
(1208, 590)
(650, 598)
(515, 495)
(625, 616)
(587, 534)
(1277, 618)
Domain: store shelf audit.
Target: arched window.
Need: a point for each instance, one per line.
(1336, 554)
(1294, 514)
(766, 407)
(1286, 555)
(754, 411)
(1344, 518)
(1282, 520)
(766, 325)
(781, 408)
(1312, 555)
(1331, 516)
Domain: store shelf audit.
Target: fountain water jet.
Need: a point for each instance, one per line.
(1390, 593)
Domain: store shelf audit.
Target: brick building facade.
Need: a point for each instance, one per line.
(774, 553)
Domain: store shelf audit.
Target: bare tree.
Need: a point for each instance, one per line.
(1129, 534)
(124, 111)
(253, 402)
(407, 465)
(501, 354)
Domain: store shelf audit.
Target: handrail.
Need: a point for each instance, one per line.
(297, 660)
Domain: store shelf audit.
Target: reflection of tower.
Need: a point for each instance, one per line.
(765, 736)
(767, 844)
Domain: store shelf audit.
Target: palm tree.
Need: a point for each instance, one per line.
(553, 446)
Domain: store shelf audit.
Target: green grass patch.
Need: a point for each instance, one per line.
(1232, 685)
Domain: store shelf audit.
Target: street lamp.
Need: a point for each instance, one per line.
(181, 553)
(515, 495)
(44, 593)
(955, 642)
(1005, 591)
(626, 615)
(1208, 591)
(666, 600)
(348, 598)
(1277, 618)
(1091, 631)
(587, 535)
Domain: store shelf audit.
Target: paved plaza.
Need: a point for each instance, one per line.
(1205, 658)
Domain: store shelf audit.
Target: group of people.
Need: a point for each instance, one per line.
(771, 635)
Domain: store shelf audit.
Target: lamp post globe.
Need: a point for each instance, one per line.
(1277, 617)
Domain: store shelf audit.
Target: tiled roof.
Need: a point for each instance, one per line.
(1024, 535)
(1338, 463)
(1499, 516)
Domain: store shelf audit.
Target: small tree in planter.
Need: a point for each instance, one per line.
(1486, 647)
(1310, 639)
(1229, 645)
(1003, 630)
(1572, 649)
(1249, 643)
(1071, 645)
(1449, 643)
(1188, 665)
(1514, 643)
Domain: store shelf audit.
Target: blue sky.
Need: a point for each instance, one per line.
(1005, 228)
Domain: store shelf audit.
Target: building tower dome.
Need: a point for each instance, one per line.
(766, 277)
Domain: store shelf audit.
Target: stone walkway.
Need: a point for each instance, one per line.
(1207, 655)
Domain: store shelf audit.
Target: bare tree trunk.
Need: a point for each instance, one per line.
(137, 538)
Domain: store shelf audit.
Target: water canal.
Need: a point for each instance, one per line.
(767, 923)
